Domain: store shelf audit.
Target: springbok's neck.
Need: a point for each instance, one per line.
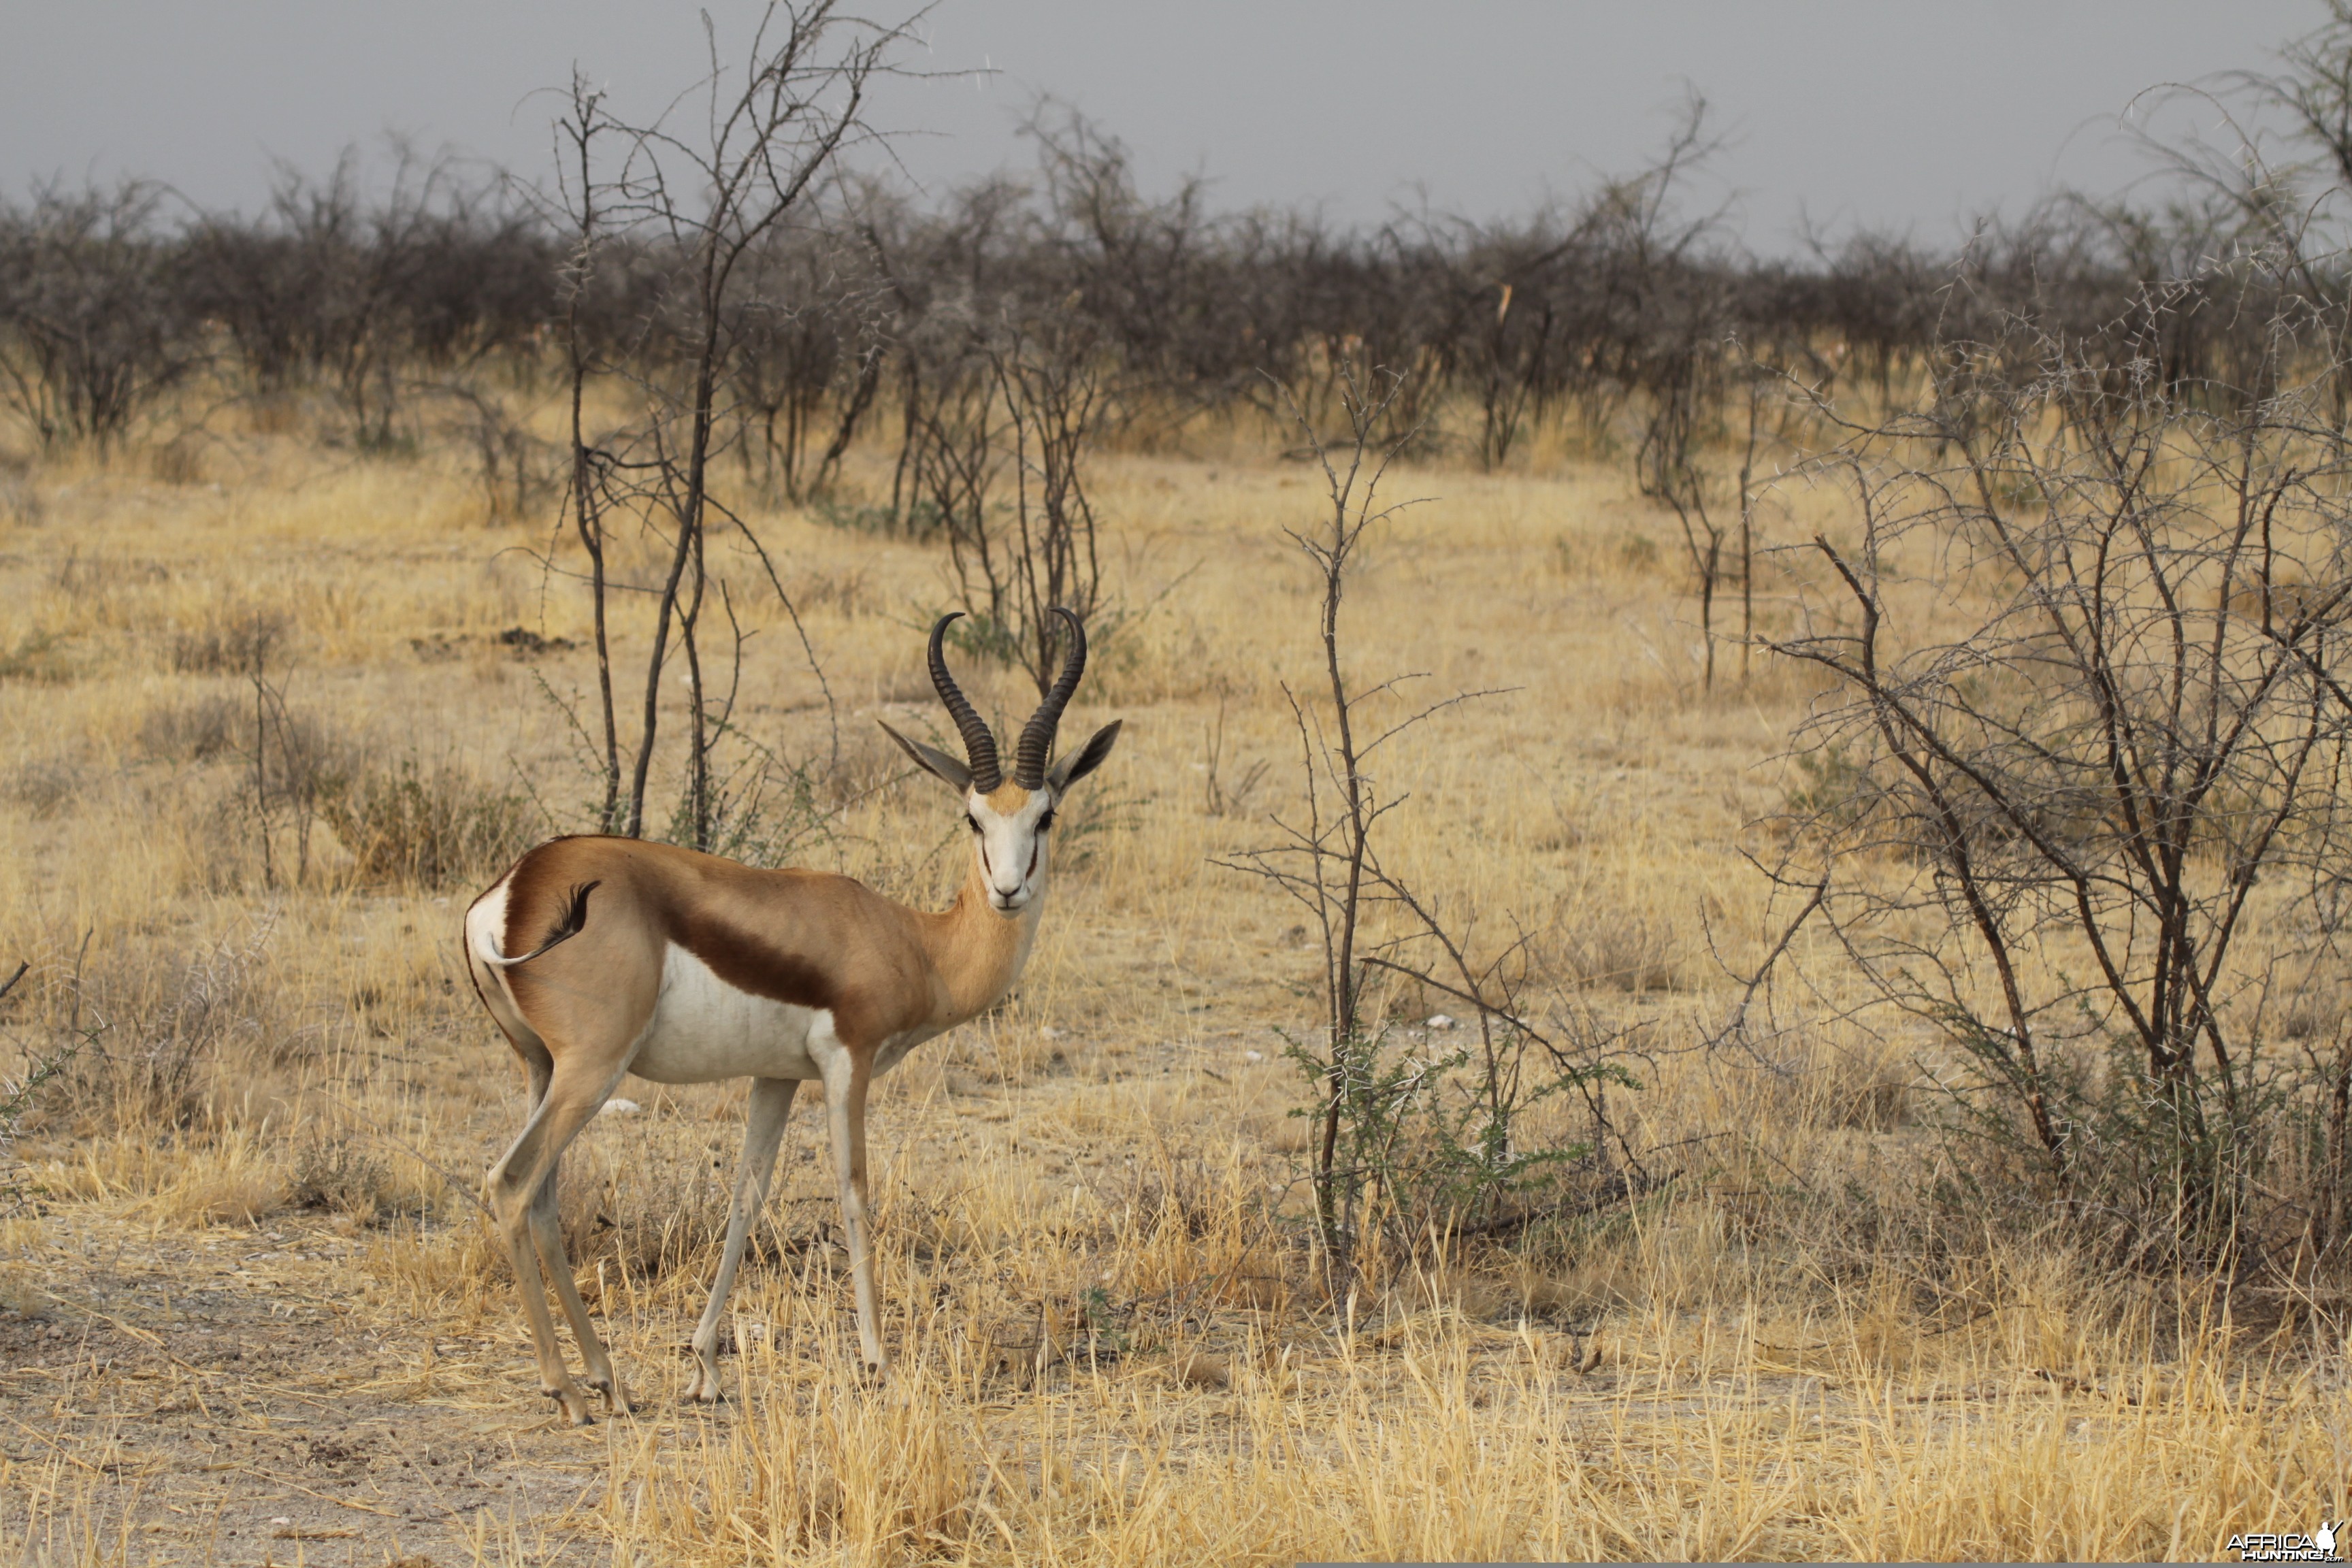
(978, 952)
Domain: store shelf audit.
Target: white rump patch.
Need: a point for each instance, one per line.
(486, 924)
(485, 930)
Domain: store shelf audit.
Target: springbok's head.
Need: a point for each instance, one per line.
(1011, 819)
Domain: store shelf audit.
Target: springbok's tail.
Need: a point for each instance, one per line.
(575, 919)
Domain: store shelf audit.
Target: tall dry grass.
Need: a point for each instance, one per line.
(1112, 1346)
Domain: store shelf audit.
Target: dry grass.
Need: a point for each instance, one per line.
(1110, 1348)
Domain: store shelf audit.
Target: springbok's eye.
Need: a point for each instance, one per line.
(974, 820)
(1046, 821)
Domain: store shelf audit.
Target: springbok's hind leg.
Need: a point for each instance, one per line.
(763, 1130)
(574, 1093)
(547, 1234)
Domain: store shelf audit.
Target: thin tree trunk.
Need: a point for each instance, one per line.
(1747, 534)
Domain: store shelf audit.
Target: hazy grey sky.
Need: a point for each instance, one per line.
(1908, 115)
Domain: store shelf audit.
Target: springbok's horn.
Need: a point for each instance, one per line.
(1038, 736)
(979, 745)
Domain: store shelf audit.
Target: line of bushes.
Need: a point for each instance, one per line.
(861, 316)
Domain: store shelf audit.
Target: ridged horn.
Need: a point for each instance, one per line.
(1036, 747)
(978, 744)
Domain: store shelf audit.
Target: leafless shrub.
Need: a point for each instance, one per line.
(40, 659)
(1223, 794)
(48, 787)
(178, 461)
(1807, 1079)
(849, 594)
(199, 731)
(341, 1174)
(1326, 861)
(1629, 951)
(516, 468)
(996, 461)
(1417, 1140)
(289, 760)
(293, 764)
(154, 1028)
(90, 334)
(695, 214)
(41, 1065)
(329, 290)
(426, 828)
(230, 643)
(1876, 1103)
(809, 328)
(20, 498)
(2099, 723)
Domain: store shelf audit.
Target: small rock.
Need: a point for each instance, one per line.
(1203, 1371)
(1050, 1032)
(1439, 1021)
(619, 1107)
(1252, 1056)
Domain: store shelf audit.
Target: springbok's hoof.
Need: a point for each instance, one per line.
(573, 1406)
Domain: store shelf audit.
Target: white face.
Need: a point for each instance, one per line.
(1012, 845)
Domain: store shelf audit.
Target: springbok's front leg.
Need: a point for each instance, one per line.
(763, 1128)
(847, 1075)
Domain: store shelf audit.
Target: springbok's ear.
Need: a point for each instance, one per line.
(934, 760)
(1090, 757)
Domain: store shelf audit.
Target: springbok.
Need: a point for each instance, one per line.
(686, 968)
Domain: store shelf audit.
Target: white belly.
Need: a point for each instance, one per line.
(704, 1030)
